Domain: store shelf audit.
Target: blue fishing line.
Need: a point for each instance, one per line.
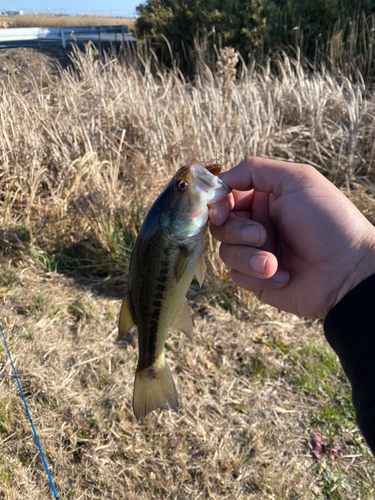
(28, 414)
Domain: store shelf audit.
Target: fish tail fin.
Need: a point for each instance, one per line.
(154, 388)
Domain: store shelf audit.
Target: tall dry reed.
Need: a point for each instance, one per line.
(112, 131)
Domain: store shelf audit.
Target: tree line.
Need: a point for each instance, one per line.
(339, 32)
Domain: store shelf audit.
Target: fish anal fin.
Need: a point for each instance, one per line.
(126, 321)
(154, 388)
(182, 263)
(183, 321)
(201, 269)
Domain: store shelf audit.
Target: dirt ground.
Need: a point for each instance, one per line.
(26, 63)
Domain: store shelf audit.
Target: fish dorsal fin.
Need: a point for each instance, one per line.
(183, 321)
(182, 263)
(126, 321)
(201, 269)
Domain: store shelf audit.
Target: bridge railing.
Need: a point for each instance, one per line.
(66, 34)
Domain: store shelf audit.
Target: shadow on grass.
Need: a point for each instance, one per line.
(101, 263)
(87, 262)
(96, 267)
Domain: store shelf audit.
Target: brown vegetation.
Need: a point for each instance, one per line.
(84, 151)
(58, 21)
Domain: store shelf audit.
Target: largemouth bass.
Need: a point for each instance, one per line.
(167, 253)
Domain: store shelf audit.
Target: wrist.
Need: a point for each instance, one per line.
(364, 267)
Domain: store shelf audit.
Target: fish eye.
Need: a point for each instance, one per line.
(181, 185)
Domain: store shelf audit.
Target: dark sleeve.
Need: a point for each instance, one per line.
(350, 330)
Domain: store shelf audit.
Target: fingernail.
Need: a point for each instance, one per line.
(280, 276)
(251, 234)
(258, 263)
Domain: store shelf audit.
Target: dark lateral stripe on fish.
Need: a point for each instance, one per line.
(150, 357)
(157, 303)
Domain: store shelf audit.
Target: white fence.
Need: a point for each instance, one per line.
(68, 34)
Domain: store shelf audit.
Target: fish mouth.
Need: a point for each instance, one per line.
(204, 180)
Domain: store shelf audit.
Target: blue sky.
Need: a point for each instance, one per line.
(116, 7)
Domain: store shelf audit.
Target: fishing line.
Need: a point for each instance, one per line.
(28, 414)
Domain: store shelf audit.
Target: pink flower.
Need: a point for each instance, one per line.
(317, 447)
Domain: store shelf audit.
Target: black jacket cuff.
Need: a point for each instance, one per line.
(350, 330)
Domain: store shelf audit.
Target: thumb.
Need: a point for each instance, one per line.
(268, 176)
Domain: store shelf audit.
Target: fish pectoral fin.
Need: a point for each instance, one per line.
(182, 263)
(183, 321)
(126, 321)
(154, 388)
(201, 269)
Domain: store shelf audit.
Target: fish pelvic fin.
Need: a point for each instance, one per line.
(183, 321)
(201, 269)
(126, 321)
(154, 388)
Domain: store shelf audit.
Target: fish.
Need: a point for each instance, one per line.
(167, 253)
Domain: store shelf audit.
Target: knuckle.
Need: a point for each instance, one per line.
(249, 160)
(237, 259)
(231, 255)
(230, 229)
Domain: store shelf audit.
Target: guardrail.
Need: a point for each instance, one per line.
(68, 34)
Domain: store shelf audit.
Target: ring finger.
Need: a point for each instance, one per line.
(249, 260)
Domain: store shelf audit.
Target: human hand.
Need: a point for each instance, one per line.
(290, 236)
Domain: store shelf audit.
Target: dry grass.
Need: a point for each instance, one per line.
(58, 21)
(83, 154)
(105, 125)
(243, 425)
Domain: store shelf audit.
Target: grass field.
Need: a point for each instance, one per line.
(84, 152)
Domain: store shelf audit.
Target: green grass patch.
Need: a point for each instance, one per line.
(28, 334)
(36, 305)
(315, 370)
(77, 309)
(47, 259)
(5, 473)
(6, 413)
(333, 482)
